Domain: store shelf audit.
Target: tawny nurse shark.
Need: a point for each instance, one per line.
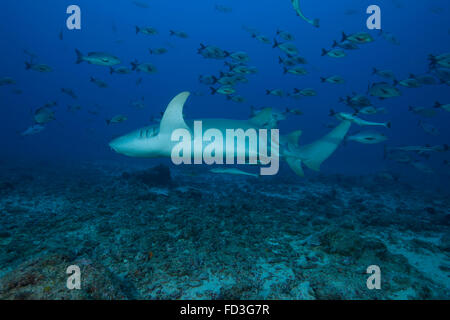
(156, 141)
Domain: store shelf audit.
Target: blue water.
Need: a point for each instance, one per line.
(421, 27)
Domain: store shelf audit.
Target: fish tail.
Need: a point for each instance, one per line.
(108, 122)
(214, 79)
(437, 104)
(171, 32)
(335, 44)
(267, 91)
(134, 65)
(388, 125)
(111, 70)
(27, 65)
(79, 56)
(323, 79)
(275, 43)
(285, 70)
(280, 60)
(213, 90)
(316, 23)
(138, 29)
(374, 70)
(324, 52)
(344, 36)
(332, 113)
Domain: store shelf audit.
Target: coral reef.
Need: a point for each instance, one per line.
(154, 234)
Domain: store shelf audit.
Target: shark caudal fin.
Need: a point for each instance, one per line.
(314, 154)
(317, 152)
(173, 116)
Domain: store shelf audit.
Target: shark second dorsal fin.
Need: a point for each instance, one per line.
(264, 119)
(173, 116)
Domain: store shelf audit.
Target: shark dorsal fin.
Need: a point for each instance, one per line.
(173, 116)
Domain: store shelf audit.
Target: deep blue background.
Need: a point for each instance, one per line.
(35, 25)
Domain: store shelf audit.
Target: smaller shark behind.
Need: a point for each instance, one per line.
(155, 141)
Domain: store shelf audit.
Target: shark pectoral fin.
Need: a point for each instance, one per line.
(296, 166)
(173, 116)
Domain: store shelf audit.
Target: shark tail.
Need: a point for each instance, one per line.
(314, 154)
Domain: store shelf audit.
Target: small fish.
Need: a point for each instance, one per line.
(286, 47)
(140, 4)
(261, 38)
(7, 81)
(360, 122)
(422, 167)
(383, 90)
(212, 52)
(275, 92)
(243, 70)
(158, 51)
(439, 105)
(388, 74)
(233, 171)
(240, 56)
(34, 129)
(442, 60)
(225, 90)
(346, 45)
(38, 67)
(424, 112)
(334, 53)
(74, 108)
(139, 104)
(99, 83)
(207, 79)
(223, 9)
(69, 92)
(116, 119)
(370, 110)
(143, 67)
(119, 70)
(368, 137)
(149, 31)
(179, 34)
(389, 37)
(236, 98)
(333, 79)
(308, 92)
(356, 101)
(424, 79)
(411, 82)
(292, 61)
(44, 115)
(428, 128)
(357, 38)
(285, 35)
(296, 112)
(97, 58)
(298, 71)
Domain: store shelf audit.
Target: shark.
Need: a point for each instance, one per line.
(156, 141)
